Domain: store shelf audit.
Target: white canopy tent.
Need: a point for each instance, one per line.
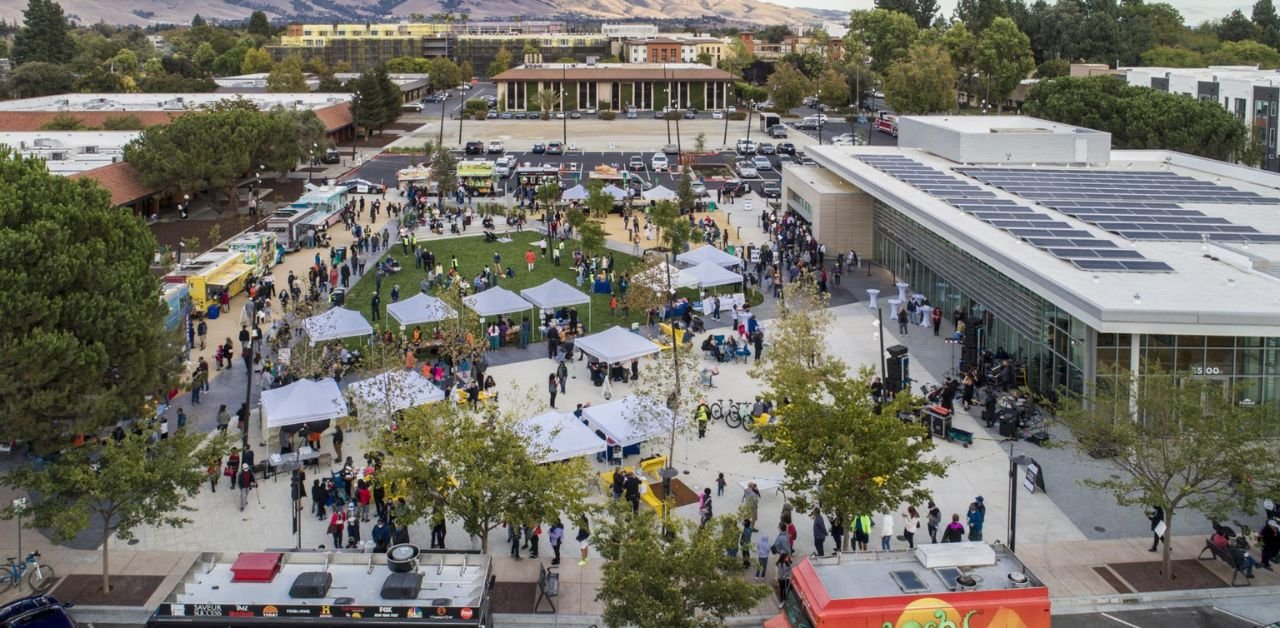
(616, 192)
(556, 436)
(710, 274)
(382, 395)
(632, 419)
(656, 278)
(660, 193)
(708, 253)
(575, 193)
(304, 401)
(420, 308)
(496, 301)
(616, 345)
(554, 294)
(338, 322)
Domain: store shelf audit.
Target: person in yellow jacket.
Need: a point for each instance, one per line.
(703, 416)
(862, 531)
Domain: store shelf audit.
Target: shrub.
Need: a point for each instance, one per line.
(476, 104)
(671, 115)
(608, 115)
(737, 115)
(478, 115)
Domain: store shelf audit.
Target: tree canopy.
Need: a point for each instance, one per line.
(922, 83)
(887, 35)
(1004, 56)
(377, 100)
(788, 86)
(287, 76)
(45, 35)
(82, 339)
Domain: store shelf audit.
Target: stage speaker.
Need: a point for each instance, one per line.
(402, 586)
(311, 584)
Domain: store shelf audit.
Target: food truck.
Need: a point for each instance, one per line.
(965, 585)
(404, 586)
(328, 203)
(258, 249)
(177, 301)
(287, 223)
(211, 274)
(537, 176)
(477, 175)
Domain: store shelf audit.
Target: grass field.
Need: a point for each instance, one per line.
(473, 255)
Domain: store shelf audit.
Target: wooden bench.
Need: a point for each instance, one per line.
(1226, 556)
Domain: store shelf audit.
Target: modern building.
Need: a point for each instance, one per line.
(69, 152)
(1252, 95)
(1072, 257)
(412, 86)
(674, 49)
(629, 31)
(480, 50)
(615, 86)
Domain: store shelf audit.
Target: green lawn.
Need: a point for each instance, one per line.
(473, 254)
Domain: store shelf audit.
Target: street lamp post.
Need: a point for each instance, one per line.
(1014, 463)
(879, 323)
(821, 121)
(564, 84)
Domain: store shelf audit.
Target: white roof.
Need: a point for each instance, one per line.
(496, 301)
(708, 253)
(656, 278)
(616, 192)
(631, 419)
(575, 193)
(710, 274)
(338, 322)
(393, 391)
(420, 308)
(169, 102)
(660, 193)
(303, 401)
(617, 345)
(553, 294)
(555, 436)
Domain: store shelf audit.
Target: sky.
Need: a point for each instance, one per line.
(1195, 11)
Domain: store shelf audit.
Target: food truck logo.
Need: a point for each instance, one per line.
(936, 613)
(325, 612)
(270, 611)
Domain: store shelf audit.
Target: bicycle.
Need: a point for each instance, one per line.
(718, 408)
(40, 578)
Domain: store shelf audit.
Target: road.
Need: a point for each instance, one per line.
(1192, 617)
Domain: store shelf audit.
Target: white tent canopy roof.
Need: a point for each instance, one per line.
(554, 294)
(660, 193)
(338, 322)
(558, 436)
(656, 278)
(496, 301)
(632, 419)
(708, 253)
(303, 401)
(710, 274)
(400, 389)
(616, 192)
(616, 345)
(575, 193)
(420, 308)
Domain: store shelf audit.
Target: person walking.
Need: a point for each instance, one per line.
(704, 507)
(886, 532)
(338, 438)
(202, 329)
(819, 532)
(720, 484)
(246, 484)
(553, 386)
(556, 536)
(911, 520)
(223, 418)
(1156, 517)
(214, 470)
(751, 497)
(902, 321)
(584, 539)
(744, 543)
(631, 487)
(784, 578)
(955, 530)
(934, 520)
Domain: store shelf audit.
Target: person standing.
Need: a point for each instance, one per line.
(720, 484)
(955, 530)
(861, 532)
(744, 543)
(375, 307)
(337, 522)
(702, 418)
(197, 384)
(223, 418)
(886, 532)
(584, 539)
(556, 536)
(977, 516)
(837, 531)
(902, 321)
(934, 520)
(784, 578)
(936, 319)
(1270, 543)
(562, 374)
(911, 523)
(819, 532)
(553, 386)
(182, 420)
(631, 487)
(1156, 517)
(214, 470)
(439, 528)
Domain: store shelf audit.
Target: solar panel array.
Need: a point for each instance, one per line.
(1058, 238)
(1138, 205)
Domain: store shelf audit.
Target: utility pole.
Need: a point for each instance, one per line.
(564, 84)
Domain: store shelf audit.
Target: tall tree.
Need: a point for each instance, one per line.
(962, 46)
(1172, 57)
(924, 82)
(1180, 440)
(788, 86)
(979, 14)
(255, 60)
(259, 25)
(81, 326)
(287, 76)
(922, 11)
(1004, 56)
(39, 78)
(501, 62)
(1236, 27)
(45, 35)
(687, 578)
(117, 486)
(198, 21)
(444, 73)
(737, 59)
(886, 34)
(833, 89)
(392, 99)
(1246, 52)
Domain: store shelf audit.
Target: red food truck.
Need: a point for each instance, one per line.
(945, 585)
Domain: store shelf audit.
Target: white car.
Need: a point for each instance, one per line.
(717, 115)
(502, 166)
(761, 163)
(415, 107)
(700, 189)
(465, 86)
(658, 162)
(495, 146)
(747, 170)
(746, 147)
(731, 109)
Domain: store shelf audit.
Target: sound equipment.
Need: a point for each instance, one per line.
(402, 586)
(897, 367)
(311, 585)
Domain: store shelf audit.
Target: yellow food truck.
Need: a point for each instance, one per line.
(211, 274)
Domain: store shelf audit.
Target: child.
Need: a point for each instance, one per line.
(720, 485)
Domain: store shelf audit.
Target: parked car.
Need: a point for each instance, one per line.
(786, 148)
(765, 148)
(659, 114)
(700, 188)
(844, 139)
(495, 146)
(735, 187)
(658, 162)
(36, 611)
(690, 114)
(506, 115)
(559, 115)
(635, 163)
(330, 156)
(575, 115)
(519, 115)
(746, 147)
(555, 148)
(538, 148)
(778, 130)
(591, 111)
(475, 148)
(717, 115)
(415, 107)
(631, 114)
(670, 149)
(770, 189)
(762, 163)
(784, 160)
(747, 170)
(465, 87)
(493, 113)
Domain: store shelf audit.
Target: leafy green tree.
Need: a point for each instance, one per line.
(45, 35)
(599, 202)
(1246, 52)
(198, 21)
(1004, 55)
(444, 73)
(833, 89)
(811, 63)
(117, 486)
(259, 25)
(1053, 68)
(392, 98)
(127, 122)
(256, 60)
(979, 14)
(64, 122)
(704, 58)
(483, 472)
(546, 100)
(839, 450)
(1237, 27)
(1268, 23)
(501, 62)
(287, 76)
(466, 71)
(922, 11)
(408, 65)
(673, 232)
(229, 62)
(922, 83)
(774, 33)
(376, 101)
(82, 341)
(887, 35)
(962, 46)
(1180, 441)
(687, 579)
(287, 138)
(684, 190)
(788, 86)
(1172, 57)
(444, 169)
(737, 58)
(39, 78)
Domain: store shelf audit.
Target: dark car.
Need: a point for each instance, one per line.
(36, 611)
(475, 148)
(786, 148)
(690, 114)
(735, 187)
(539, 148)
(765, 148)
(330, 156)
(770, 189)
(555, 148)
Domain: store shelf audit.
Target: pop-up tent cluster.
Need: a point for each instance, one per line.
(555, 436)
(382, 395)
(556, 294)
(336, 323)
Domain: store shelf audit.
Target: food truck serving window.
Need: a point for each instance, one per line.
(793, 610)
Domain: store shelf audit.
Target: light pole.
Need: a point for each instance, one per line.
(564, 84)
(821, 121)
(311, 166)
(879, 325)
(1014, 463)
(181, 245)
(443, 102)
